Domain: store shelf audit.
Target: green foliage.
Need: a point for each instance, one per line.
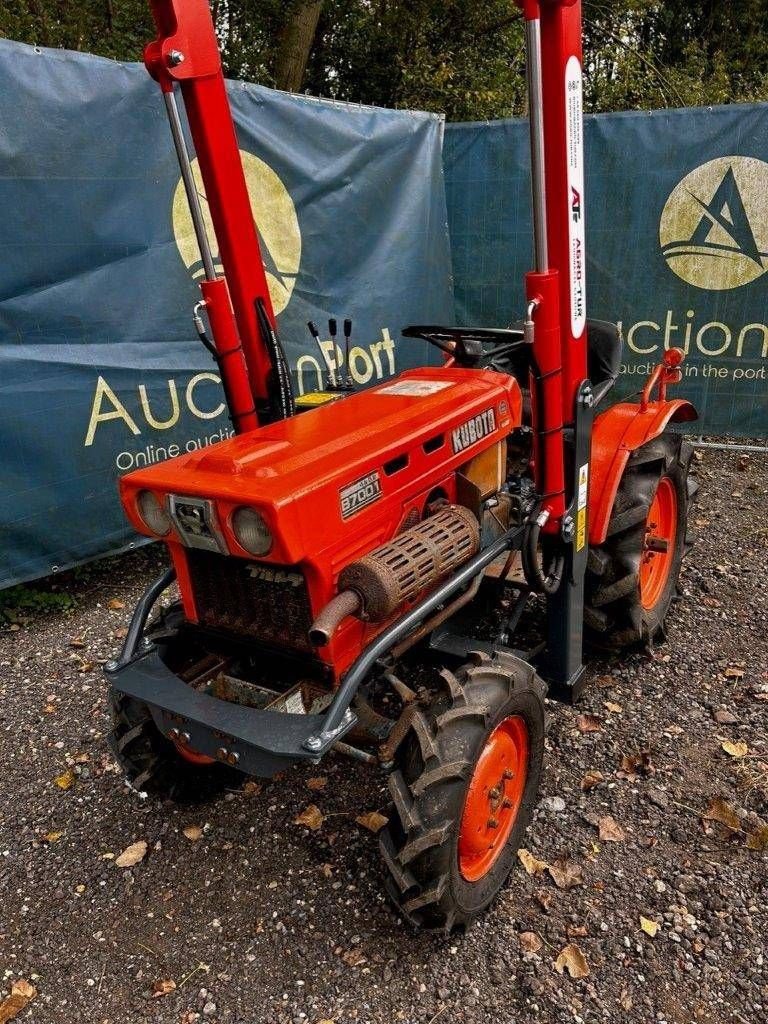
(464, 59)
(18, 603)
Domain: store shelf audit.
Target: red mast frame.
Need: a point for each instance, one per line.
(186, 52)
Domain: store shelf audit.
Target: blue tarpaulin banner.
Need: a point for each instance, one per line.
(362, 212)
(100, 369)
(677, 244)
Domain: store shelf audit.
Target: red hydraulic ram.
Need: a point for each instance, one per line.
(556, 289)
(186, 52)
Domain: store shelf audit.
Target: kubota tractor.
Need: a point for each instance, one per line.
(353, 574)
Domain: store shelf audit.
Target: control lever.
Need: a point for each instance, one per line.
(333, 331)
(313, 330)
(347, 336)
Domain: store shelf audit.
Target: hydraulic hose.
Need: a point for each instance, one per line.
(543, 583)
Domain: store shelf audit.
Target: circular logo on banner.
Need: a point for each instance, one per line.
(275, 218)
(714, 228)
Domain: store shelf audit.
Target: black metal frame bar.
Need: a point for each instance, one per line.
(400, 629)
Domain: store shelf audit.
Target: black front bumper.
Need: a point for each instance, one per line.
(258, 743)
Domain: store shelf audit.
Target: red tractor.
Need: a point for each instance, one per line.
(353, 574)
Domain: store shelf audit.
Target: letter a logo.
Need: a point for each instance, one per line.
(714, 228)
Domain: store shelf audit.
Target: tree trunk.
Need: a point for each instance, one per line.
(295, 46)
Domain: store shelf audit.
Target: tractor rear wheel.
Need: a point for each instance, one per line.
(463, 792)
(632, 577)
(151, 762)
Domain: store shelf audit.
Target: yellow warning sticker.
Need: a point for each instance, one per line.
(581, 528)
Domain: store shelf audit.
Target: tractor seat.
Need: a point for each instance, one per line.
(605, 346)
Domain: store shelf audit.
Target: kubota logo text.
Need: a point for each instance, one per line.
(714, 228)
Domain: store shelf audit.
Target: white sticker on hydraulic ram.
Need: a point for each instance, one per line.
(574, 135)
(583, 486)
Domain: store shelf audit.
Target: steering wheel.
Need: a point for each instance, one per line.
(466, 344)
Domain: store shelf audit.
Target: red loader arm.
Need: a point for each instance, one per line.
(186, 52)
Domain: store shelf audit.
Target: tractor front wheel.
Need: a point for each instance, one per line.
(632, 577)
(151, 762)
(463, 792)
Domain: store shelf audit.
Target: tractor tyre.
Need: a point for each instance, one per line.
(464, 788)
(152, 763)
(633, 577)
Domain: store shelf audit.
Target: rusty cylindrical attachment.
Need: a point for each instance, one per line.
(378, 584)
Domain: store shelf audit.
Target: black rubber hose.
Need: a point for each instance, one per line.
(543, 583)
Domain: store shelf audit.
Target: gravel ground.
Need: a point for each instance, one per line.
(260, 919)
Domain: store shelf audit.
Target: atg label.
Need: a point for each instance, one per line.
(473, 430)
(357, 495)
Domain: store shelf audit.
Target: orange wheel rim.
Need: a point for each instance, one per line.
(659, 544)
(192, 755)
(493, 798)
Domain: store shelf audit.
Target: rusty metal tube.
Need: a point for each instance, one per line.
(330, 618)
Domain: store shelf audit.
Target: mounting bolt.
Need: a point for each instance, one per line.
(568, 528)
(588, 398)
(173, 734)
(110, 666)
(175, 57)
(185, 737)
(222, 753)
(493, 823)
(233, 758)
(314, 743)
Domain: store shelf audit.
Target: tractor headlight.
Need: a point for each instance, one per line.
(251, 531)
(152, 514)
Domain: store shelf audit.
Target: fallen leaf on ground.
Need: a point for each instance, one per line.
(610, 831)
(615, 709)
(530, 942)
(193, 833)
(116, 605)
(531, 864)
(572, 959)
(354, 957)
(738, 749)
(132, 855)
(311, 817)
(77, 642)
(317, 782)
(732, 672)
(163, 988)
(252, 788)
(649, 927)
(592, 779)
(373, 821)
(636, 764)
(65, 780)
(326, 870)
(720, 810)
(52, 837)
(566, 874)
(22, 993)
(605, 682)
(576, 931)
(758, 838)
(589, 723)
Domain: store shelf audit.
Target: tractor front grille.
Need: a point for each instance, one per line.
(269, 603)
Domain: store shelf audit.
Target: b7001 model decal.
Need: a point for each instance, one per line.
(357, 495)
(473, 430)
